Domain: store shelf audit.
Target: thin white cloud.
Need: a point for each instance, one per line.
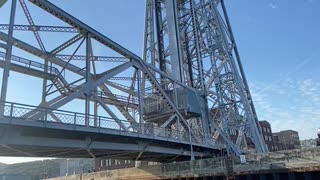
(297, 109)
(273, 6)
(310, 89)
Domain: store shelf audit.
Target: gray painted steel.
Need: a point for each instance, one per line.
(181, 99)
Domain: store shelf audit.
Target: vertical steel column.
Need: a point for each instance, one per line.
(88, 79)
(191, 145)
(159, 33)
(196, 32)
(254, 129)
(244, 79)
(152, 40)
(6, 70)
(177, 104)
(174, 40)
(140, 97)
(8, 52)
(44, 83)
(95, 111)
(95, 105)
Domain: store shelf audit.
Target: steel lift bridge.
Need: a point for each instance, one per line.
(186, 97)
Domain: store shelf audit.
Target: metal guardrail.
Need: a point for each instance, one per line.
(115, 97)
(55, 71)
(19, 111)
(31, 64)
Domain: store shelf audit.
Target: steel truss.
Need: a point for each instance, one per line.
(193, 41)
(189, 81)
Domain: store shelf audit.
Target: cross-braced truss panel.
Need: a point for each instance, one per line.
(188, 86)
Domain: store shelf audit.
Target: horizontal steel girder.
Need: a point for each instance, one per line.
(20, 134)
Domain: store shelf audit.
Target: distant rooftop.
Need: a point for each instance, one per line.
(289, 130)
(264, 122)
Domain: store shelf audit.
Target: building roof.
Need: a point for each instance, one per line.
(286, 131)
(264, 122)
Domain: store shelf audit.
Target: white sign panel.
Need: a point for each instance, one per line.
(243, 159)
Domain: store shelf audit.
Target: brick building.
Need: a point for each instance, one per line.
(267, 134)
(288, 139)
(272, 140)
(278, 146)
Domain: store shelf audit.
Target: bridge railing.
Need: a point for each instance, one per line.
(116, 97)
(33, 113)
(31, 64)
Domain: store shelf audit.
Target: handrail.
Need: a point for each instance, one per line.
(115, 96)
(30, 63)
(17, 110)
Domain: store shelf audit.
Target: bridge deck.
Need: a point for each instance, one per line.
(30, 131)
(42, 136)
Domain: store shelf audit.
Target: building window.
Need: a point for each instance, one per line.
(266, 137)
(233, 132)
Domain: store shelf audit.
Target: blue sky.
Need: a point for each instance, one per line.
(280, 51)
(278, 43)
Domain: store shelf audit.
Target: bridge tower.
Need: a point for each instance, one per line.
(192, 41)
(187, 96)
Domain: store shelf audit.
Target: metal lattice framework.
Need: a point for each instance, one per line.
(192, 41)
(189, 85)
